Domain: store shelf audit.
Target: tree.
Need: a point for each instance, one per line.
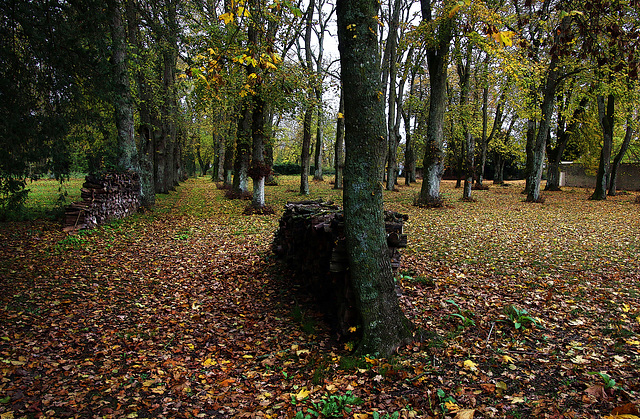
(384, 325)
(618, 158)
(565, 129)
(611, 41)
(437, 60)
(339, 144)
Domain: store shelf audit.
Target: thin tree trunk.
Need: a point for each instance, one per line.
(618, 158)
(305, 158)
(229, 154)
(317, 161)
(339, 146)
(464, 75)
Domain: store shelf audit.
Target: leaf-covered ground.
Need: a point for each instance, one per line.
(524, 310)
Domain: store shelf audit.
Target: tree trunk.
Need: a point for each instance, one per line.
(498, 178)
(385, 327)
(229, 154)
(393, 137)
(618, 158)
(243, 149)
(268, 146)
(258, 168)
(534, 177)
(564, 133)
(437, 60)
(221, 152)
(606, 117)
(317, 161)
(339, 146)
(468, 145)
(305, 157)
(148, 126)
(409, 153)
(497, 122)
(123, 103)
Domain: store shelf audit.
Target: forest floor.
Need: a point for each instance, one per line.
(527, 310)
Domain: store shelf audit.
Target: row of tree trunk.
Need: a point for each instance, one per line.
(104, 198)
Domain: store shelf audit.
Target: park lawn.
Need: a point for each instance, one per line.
(47, 197)
(521, 310)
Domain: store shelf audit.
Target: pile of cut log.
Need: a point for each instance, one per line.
(311, 240)
(105, 197)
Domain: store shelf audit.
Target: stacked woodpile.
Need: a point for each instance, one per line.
(105, 197)
(311, 239)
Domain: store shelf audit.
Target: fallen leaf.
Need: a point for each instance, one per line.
(597, 391)
(506, 359)
(501, 387)
(451, 407)
(302, 394)
(470, 365)
(227, 382)
(158, 390)
(488, 387)
(465, 414)
(626, 409)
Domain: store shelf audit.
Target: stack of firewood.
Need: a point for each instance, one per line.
(105, 197)
(311, 239)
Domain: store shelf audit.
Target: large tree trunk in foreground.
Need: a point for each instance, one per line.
(385, 326)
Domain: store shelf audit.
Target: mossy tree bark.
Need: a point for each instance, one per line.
(123, 101)
(385, 326)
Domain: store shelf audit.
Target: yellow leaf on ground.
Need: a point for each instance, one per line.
(451, 407)
(622, 417)
(470, 365)
(302, 394)
(506, 359)
(465, 414)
